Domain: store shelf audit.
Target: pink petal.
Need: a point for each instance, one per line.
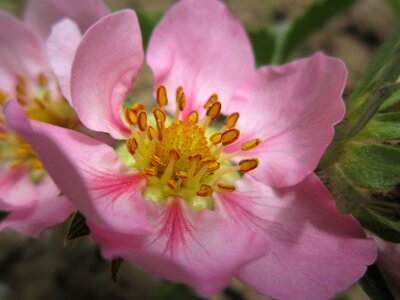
(200, 249)
(16, 189)
(315, 252)
(293, 109)
(50, 209)
(21, 53)
(389, 261)
(61, 46)
(202, 47)
(87, 171)
(41, 15)
(106, 61)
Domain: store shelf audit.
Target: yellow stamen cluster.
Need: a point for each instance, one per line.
(38, 103)
(178, 156)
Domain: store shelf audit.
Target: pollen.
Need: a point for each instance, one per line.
(184, 155)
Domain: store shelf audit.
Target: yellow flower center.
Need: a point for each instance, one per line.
(185, 157)
(39, 104)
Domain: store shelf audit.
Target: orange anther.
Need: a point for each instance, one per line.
(156, 161)
(248, 164)
(131, 145)
(151, 132)
(159, 115)
(3, 97)
(225, 187)
(142, 120)
(214, 110)
(230, 136)
(213, 166)
(180, 98)
(193, 117)
(231, 120)
(182, 175)
(195, 157)
(250, 144)
(172, 184)
(162, 99)
(150, 172)
(216, 138)
(205, 190)
(174, 154)
(130, 115)
(213, 99)
(41, 79)
(138, 106)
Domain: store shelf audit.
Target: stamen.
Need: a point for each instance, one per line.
(150, 172)
(230, 136)
(216, 138)
(205, 190)
(156, 161)
(142, 120)
(174, 156)
(42, 80)
(151, 132)
(193, 117)
(214, 110)
(225, 187)
(213, 99)
(231, 120)
(159, 115)
(250, 144)
(248, 164)
(162, 99)
(131, 145)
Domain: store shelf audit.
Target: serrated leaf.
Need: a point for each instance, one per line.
(263, 42)
(374, 284)
(115, 265)
(77, 227)
(316, 16)
(371, 165)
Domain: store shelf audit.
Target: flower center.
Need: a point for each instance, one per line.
(39, 103)
(185, 157)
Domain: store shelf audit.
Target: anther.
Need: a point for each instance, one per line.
(172, 184)
(156, 161)
(225, 187)
(159, 115)
(193, 117)
(3, 97)
(213, 99)
(162, 99)
(250, 144)
(142, 120)
(173, 154)
(180, 98)
(216, 138)
(182, 175)
(150, 172)
(229, 136)
(231, 120)
(131, 145)
(130, 115)
(214, 110)
(248, 164)
(213, 166)
(151, 132)
(41, 80)
(205, 190)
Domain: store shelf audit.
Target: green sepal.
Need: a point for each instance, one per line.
(374, 284)
(77, 227)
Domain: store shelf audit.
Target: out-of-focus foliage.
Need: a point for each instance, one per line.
(276, 43)
(173, 291)
(77, 227)
(395, 5)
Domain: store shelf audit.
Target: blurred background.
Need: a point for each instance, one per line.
(49, 268)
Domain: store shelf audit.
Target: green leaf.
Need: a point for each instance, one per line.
(115, 265)
(173, 291)
(395, 5)
(147, 23)
(391, 101)
(316, 16)
(263, 42)
(374, 284)
(77, 227)
(382, 127)
(371, 165)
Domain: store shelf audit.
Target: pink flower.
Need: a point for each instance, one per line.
(26, 191)
(190, 201)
